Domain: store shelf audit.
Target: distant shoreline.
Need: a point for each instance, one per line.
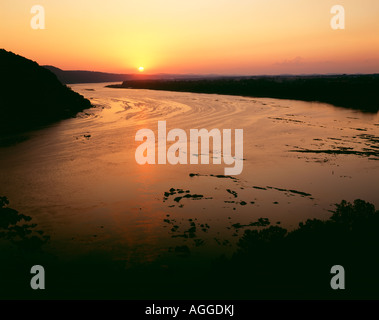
(358, 92)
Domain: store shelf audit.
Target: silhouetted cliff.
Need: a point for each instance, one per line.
(31, 95)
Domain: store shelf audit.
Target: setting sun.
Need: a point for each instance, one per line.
(141, 69)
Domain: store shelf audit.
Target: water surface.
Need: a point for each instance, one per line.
(79, 181)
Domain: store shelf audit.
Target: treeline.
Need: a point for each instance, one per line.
(351, 91)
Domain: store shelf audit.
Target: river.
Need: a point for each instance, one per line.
(79, 181)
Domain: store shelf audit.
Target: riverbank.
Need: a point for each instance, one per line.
(349, 91)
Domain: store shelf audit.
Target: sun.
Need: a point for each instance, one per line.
(141, 69)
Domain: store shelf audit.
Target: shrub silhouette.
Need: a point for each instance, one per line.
(24, 236)
(275, 263)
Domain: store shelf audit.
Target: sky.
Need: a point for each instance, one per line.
(236, 37)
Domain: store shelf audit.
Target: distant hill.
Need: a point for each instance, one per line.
(82, 76)
(32, 95)
(86, 76)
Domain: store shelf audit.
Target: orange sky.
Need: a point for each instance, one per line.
(197, 36)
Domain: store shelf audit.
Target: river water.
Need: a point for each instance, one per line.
(79, 181)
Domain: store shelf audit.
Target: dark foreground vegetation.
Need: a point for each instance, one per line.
(270, 262)
(298, 264)
(351, 91)
(32, 96)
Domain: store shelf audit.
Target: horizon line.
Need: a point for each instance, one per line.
(217, 74)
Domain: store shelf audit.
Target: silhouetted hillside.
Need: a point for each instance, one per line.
(351, 91)
(32, 96)
(77, 76)
(82, 76)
